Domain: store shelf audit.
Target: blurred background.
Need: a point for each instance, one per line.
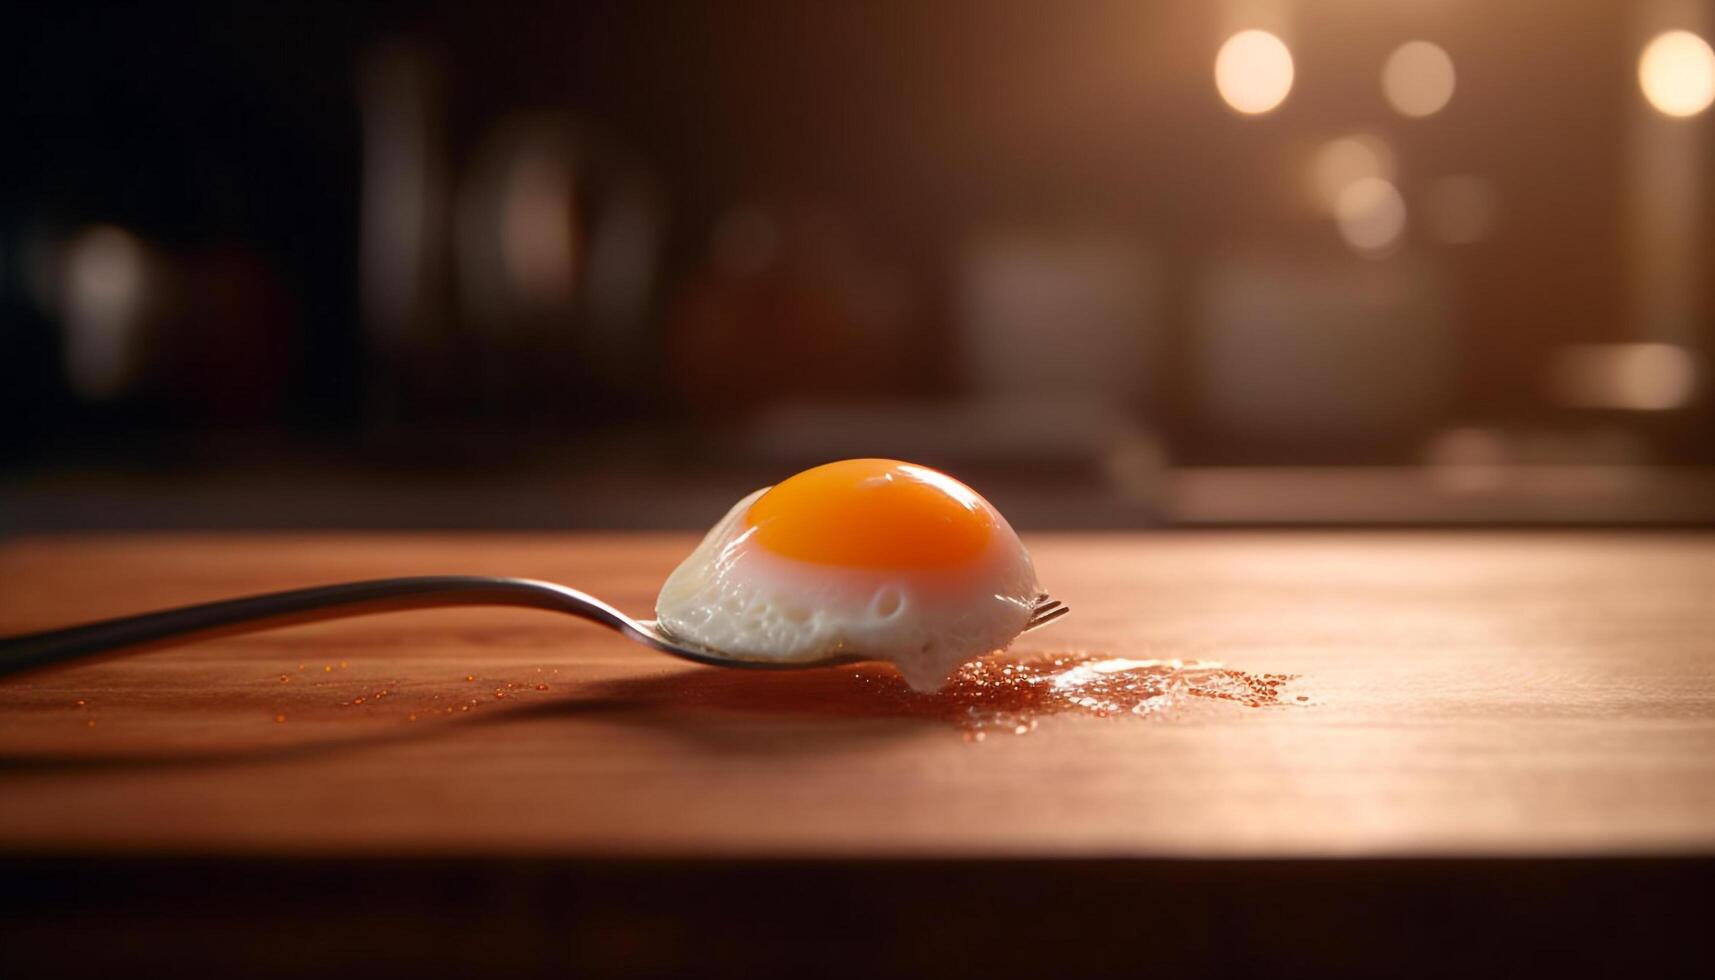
(613, 265)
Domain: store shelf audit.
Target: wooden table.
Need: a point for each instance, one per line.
(1510, 696)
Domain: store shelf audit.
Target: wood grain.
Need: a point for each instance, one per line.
(1470, 693)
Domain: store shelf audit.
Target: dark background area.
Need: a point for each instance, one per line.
(452, 264)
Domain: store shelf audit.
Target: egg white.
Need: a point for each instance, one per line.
(737, 597)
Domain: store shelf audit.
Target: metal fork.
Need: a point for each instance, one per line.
(259, 612)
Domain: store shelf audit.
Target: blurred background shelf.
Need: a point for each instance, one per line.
(663, 496)
(1408, 262)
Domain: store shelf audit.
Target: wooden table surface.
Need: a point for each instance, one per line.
(1467, 694)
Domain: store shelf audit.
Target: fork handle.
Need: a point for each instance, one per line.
(248, 614)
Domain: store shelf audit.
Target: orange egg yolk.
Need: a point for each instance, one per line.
(873, 513)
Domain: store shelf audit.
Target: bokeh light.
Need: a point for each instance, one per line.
(1371, 215)
(1649, 377)
(1253, 71)
(1677, 73)
(539, 225)
(104, 281)
(1418, 79)
(1340, 163)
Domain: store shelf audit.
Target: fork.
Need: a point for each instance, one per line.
(249, 614)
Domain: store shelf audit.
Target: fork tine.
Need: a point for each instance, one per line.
(1045, 609)
(1041, 601)
(1036, 621)
(1039, 622)
(1044, 612)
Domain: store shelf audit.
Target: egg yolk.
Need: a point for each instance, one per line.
(873, 513)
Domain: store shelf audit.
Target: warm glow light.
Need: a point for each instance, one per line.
(1340, 163)
(1253, 71)
(104, 283)
(398, 231)
(1371, 216)
(1677, 73)
(1418, 79)
(538, 218)
(1641, 377)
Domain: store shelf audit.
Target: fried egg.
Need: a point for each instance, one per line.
(873, 558)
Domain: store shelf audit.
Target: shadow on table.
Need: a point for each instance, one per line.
(702, 705)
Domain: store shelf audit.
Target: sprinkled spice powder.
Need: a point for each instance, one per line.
(1012, 695)
(1007, 693)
